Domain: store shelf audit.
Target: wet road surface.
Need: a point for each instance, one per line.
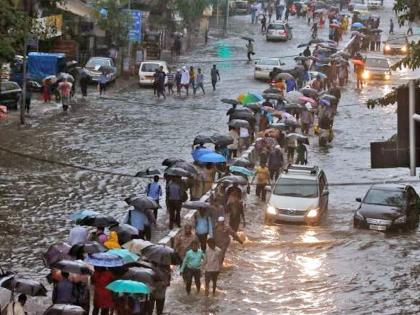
(287, 269)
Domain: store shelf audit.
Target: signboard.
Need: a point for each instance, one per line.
(49, 26)
(134, 34)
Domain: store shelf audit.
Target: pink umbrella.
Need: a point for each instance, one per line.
(305, 99)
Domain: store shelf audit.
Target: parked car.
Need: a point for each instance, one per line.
(388, 206)
(396, 45)
(279, 31)
(240, 7)
(96, 65)
(374, 4)
(265, 66)
(299, 195)
(377, 68)
(147, 70)
(10, 94)
(357, 5)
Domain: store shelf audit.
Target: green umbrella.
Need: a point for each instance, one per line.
(128, 286)
(125, 254)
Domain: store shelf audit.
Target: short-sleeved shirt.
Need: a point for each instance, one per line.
(263, 175)
(64, 88)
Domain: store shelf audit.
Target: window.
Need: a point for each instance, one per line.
(94, 62)
(276, 27)
(296, 188)
(377, 63)
(383, 197)
(149, 67)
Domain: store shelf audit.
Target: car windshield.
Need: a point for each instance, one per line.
(276, 27)
(377, 63)
(296, 188)
(98, 62)
(397, 40)
(384, 197)
(241, 5)
(149, 67)
(268, 62)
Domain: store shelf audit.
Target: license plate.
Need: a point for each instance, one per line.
(377, 227)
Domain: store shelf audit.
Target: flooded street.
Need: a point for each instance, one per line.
(286, 269)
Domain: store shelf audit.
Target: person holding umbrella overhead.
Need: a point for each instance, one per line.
(250, 48)
(103, 302)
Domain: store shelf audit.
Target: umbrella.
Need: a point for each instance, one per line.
(24, 286)
(243, 109)
(253, 106)
(104, 260)
(219, 139)
(201, 139)
(305, 99)
(137, 245)
(247, 38)
(87, 248)
(187, 166)
(243, 116)
(293, 96)
(357, 62)
(125, 254)
(196, 205)
(125, 232)
(64, 309)
(297, 136)
(285, 116)
(303, 45)
(65, 76)
(177, 172)
(238, 123)
(149, 172)
(314, 74)
(317, 41)
(196, 153)
(357, 25)
(243, 162)
(290, 106)
(241, 170)
(325, 102)
(211, 158)
(142, 274)
(268, 109)
(329, 97)
(272, 90)
(319, 10)
(98, 221)
(229, 101)
(56, 253)
(171, 161)
(281, 126)
(302, 58)
(80, 215)
(376, 31)
(51, 79)
(246, 98)
(309, 92)
(284, 76)
(272, 96)
(73, 266)
(143, 203)
(159, 254)
(128, 286)
(233, 179)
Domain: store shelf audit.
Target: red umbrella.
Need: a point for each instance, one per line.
(358, 62)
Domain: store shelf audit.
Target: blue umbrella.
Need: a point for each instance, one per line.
(357, 25)
(325, 102)
(80, 215)
(125, 254)
(241, 170)
(212, 157)
(200, 151)
(128, 286)
(104, 260)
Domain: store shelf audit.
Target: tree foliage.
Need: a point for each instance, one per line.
(191, 11)
(409, 10)
(114, 20)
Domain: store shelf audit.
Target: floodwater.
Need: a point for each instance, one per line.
(286, 269)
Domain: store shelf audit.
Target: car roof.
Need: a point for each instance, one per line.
(154, 61)
(302, 172)
(389, 186)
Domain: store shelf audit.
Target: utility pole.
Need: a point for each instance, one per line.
(217, 14)
(412, 118)
(225, 26)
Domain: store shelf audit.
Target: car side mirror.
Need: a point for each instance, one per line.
(359, 199)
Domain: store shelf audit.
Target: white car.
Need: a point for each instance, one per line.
(374, 4)
(299, 195)
(264, 66)
(147, 70)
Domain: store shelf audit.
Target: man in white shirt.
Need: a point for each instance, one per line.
(17, 308)
(78, 235)
(211, 265)
(185, 79)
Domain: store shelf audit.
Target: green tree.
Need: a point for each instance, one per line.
(114, 20)
(409, 10)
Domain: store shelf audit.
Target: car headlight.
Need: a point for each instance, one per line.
(358, 216)
(365, 74)
(404, 48)
(387, 76)
(400, 220)
(313, 213)
(387, 47)
(271, 210)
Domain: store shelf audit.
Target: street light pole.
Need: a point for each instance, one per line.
(226, 17)
(411, 126)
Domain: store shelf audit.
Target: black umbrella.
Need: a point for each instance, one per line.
(239, 123)
(149, 172)
(328, 97)
(301, 58)
(56, 253)
(253, 106)
(159, 254)
(201, 139)
(284, 76)
(186, 169)
(272, 96)
(24, 286)
(272, 90)
(92, 247)
(309, 92)
(233, 179)
(98, 221)
(281, 126)
(303, 45)
(65, 76)
(65, 309)
(73, 266)
(141, 274)
(243, 162)
(177, 172)
(244, 115)
(125, 232)
(143, 203)
(229, 101)
(171, 161)
(376, 31)
(219, 139)
(196, 205)
(247, 38)
(106, 69)
(317, 41)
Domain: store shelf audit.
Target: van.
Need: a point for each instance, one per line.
(147, 70)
